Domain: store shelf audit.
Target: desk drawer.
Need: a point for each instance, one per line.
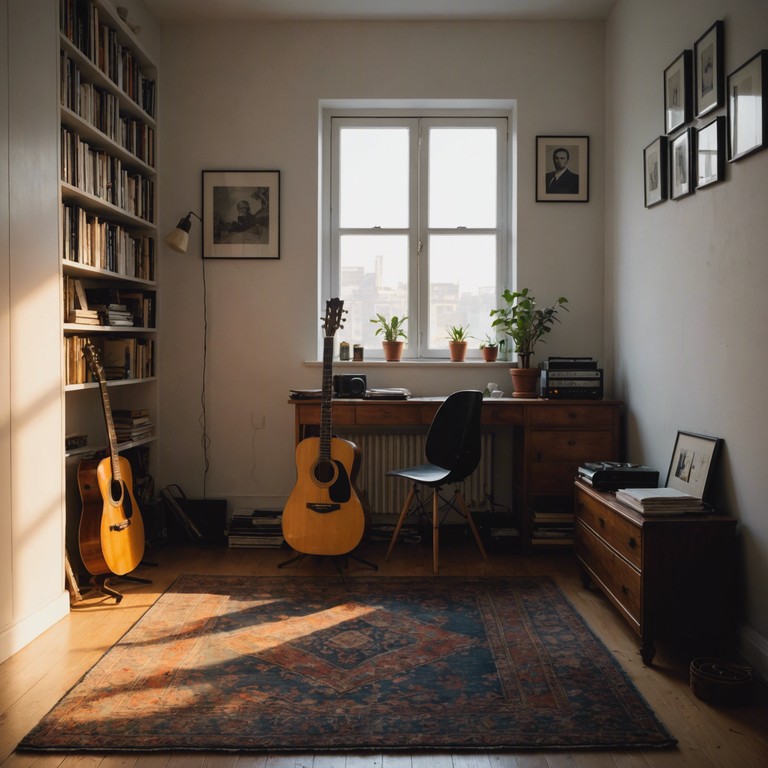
(553, 479)
(619, 580)
(618, 532)
(310, 414)
(375, 414)
(576, 415)
(570, 445)
(494, 413)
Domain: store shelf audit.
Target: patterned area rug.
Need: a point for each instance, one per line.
(282, 663)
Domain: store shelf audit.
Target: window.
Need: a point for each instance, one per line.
(416, 212)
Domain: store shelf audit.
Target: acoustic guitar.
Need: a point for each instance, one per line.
(324, 514)
(111, 529)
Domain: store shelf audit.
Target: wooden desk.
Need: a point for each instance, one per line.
(551, 438)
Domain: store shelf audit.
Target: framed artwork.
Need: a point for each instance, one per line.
(681, 164)
(692, 460)
(241, 214)
(562, 169)
(678, 77)
(709, 74)
(710, 153)
(655, 171)
(747, 107)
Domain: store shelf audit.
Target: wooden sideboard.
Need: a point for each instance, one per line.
(668, 576)
(550, 439)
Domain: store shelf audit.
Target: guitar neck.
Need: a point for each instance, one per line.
(111, 434)
(325, 403)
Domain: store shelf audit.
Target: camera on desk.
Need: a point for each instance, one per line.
(349, 385)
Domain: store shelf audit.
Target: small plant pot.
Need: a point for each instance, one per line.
(490, 354)
(393, 350)
(524, 381)
(458, 351)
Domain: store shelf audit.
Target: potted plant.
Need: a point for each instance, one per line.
(489, 347)
(525, 325)
(457, 342)
(393, 331)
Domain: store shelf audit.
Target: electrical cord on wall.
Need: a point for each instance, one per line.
(204, 438)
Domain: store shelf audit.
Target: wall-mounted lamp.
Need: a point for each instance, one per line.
(178, 238)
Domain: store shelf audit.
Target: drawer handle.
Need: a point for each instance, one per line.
(602, 522)
(625, 589)
(632, 542)
(571, 442)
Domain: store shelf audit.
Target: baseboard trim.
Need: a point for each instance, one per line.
(23, 632)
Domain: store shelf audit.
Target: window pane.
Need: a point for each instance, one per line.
(462, 285)
(462, 177)
(373, 278)
(373, 168)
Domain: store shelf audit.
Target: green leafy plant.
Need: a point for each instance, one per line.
(491, 341)
(458, 332)
(524, 323)
(392, 328)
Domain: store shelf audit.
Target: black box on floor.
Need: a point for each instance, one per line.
(201, 521)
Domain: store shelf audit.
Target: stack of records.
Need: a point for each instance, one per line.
(132, 425)
(261, 528)
(659, 501)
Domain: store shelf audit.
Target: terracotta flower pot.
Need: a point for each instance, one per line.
(458, 350)
(524, 381)
(490, 354)
(393, 350)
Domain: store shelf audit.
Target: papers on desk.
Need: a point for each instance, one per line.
(387, 393)
(659, 501)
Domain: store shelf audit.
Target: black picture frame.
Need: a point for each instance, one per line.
(655, 171)
(709, 70)
(241, 214)
(693, 458)
(710, 153)
(681, 178)
(552, 187)
(748, 107)
(678, 79)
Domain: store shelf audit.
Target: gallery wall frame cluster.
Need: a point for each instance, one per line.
(691, 154)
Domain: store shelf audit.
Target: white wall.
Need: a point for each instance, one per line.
(240, 96)
(687, 281)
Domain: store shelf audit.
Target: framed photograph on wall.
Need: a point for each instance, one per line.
(562, 169)
(709, 74)
(678, 77)
(747, 107)
(681, 164)
(692, 460)
(655, 171)
(241, 214)
(710, 153)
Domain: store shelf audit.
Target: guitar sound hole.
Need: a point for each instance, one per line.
(325, 472)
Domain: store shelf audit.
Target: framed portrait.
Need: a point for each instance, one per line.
(709, 74)
(678, 77)
(692, 460)
(681, 164)
(241, 214)
(710, 153)
(562, 169)
(655, 171)
(747, 107)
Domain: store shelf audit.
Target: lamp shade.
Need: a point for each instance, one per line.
(178, 238)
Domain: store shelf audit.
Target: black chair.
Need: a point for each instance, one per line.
(453, 452)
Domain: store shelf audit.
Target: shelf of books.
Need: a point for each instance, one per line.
(107, 104)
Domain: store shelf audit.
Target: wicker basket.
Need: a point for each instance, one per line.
(721, 682)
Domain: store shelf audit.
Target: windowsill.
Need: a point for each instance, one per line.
(436, 363)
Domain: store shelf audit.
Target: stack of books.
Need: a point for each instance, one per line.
(552, 528)
(659, 501)
(261, 528)
(132, 425)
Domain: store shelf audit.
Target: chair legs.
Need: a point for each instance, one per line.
(458, 500)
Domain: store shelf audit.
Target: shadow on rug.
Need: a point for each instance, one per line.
(239, 664)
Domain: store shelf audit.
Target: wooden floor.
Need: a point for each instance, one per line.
(33, 680)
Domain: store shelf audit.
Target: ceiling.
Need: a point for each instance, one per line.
(251, 10)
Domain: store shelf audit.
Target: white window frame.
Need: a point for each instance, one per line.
(497, 114)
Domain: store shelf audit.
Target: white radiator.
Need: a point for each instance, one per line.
(381, 452)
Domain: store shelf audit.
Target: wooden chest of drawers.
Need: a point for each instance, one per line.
(669, 577)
